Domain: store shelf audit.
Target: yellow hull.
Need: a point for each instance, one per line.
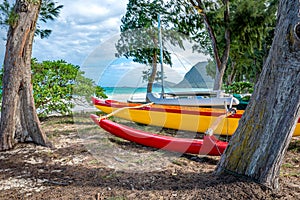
(180, 121)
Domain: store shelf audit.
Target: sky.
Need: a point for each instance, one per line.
(85, 34)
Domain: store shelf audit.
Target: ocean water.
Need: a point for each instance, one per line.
(129, 90)
(139, 94)
(127, 93)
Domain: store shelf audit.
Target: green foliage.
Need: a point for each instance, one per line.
(147, 73)
(186, 21)
(34, 1)
(57, 85)
(139, 34)
(7, 14)
(239, 88)
(251, 37)
(251, 26)
(211, 69)
(142, 46)
(85, 87)
(48, 12)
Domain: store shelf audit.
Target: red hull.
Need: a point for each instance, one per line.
(208, 146)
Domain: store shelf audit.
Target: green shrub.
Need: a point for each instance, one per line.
(57, 85)
(239, 88)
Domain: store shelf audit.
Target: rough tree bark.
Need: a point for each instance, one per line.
(259, 144)
(19, 121)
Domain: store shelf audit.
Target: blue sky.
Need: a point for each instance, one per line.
(85, 34)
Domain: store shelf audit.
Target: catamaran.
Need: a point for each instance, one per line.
(205, 98)
(189, 118)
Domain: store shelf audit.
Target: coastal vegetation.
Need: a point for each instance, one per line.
(140, 38)
(58, 85)
(236, 36)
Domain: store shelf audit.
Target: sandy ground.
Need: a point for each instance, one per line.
(88, 163)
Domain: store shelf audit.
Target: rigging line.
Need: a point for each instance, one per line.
(178, 57)
(139, 83)
(217, 122)
(211, 129)
(180, 60)
(187, 61)
(214, 142)
(227, 124)
(193, 78)
(170, 46)
(123, 108)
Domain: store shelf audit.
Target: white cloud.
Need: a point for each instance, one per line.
(81, 27)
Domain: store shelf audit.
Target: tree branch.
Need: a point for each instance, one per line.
(227, 33)
(210, 30)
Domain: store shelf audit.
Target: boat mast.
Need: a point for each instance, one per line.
(161, 57)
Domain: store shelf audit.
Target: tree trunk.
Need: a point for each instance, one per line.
(219, 77)
(232, 75)
(19, 121)
(259, 144)
(220, 63)
(222, 66)
(153, 73)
